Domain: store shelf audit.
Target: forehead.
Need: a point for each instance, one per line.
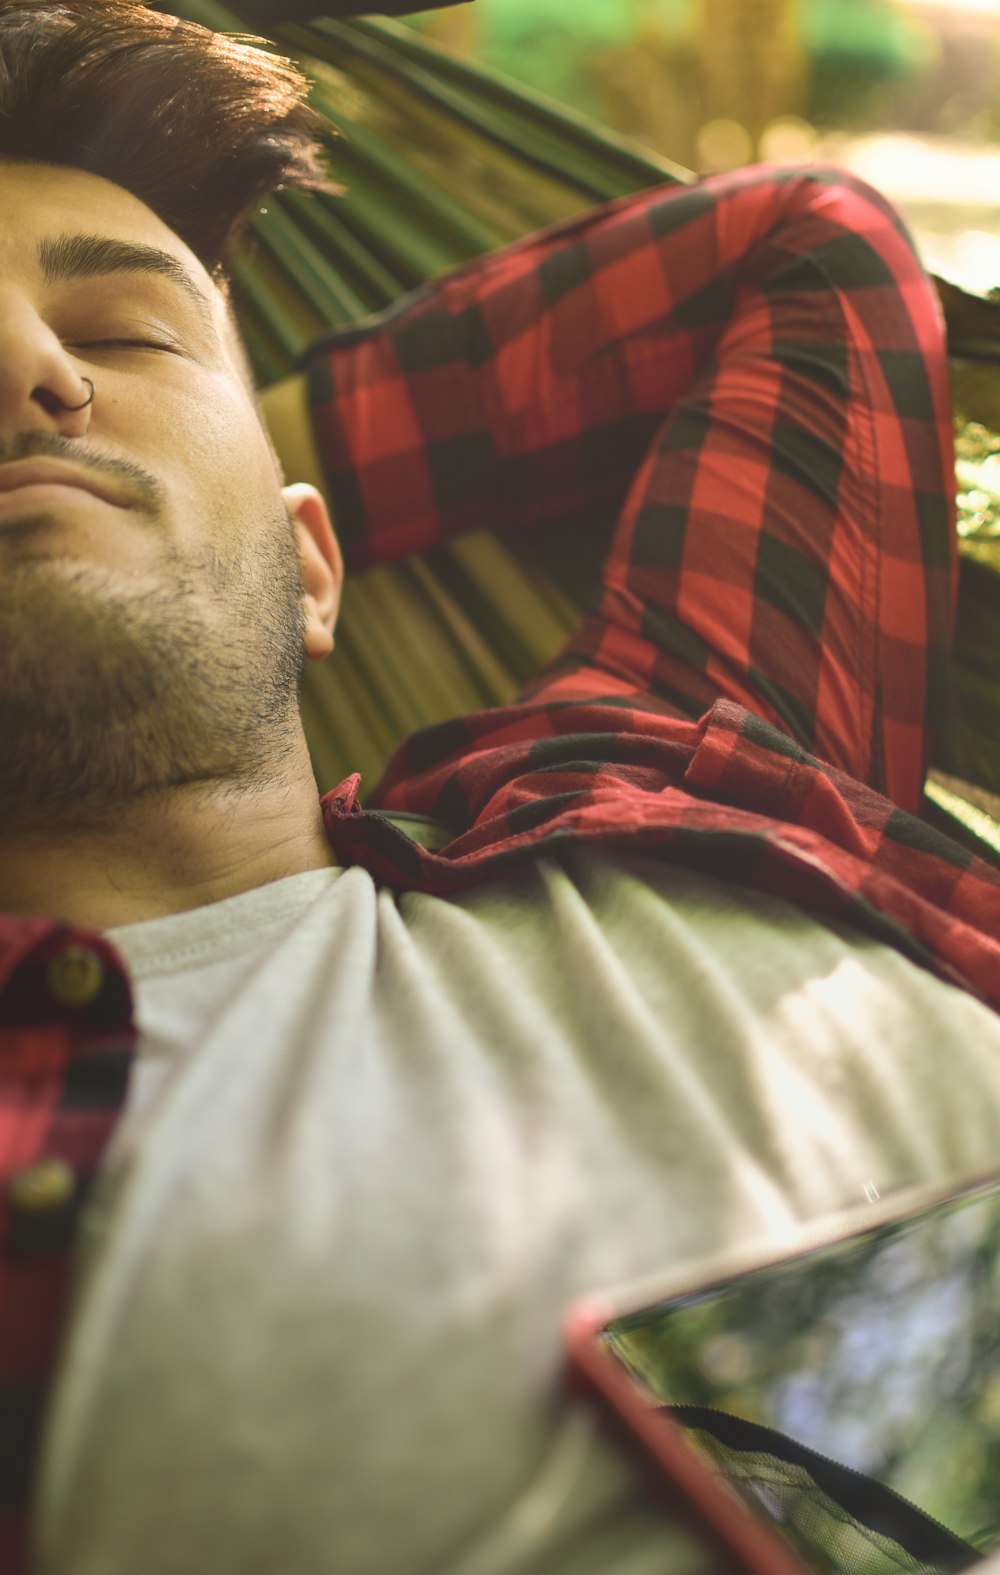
(42, 202)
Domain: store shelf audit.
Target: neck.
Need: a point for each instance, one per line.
(168, 853)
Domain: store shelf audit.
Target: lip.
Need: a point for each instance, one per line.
(21, 476)
(45, 495)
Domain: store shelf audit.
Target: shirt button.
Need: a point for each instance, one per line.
(45, 1185)
(75, 976)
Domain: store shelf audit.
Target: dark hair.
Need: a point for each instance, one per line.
(199, 125)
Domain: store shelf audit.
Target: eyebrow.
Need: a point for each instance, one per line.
(90, 256)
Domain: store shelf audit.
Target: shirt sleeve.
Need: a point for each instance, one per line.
(743, 385)
(498, 395)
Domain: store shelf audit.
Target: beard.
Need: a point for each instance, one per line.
(113, 690)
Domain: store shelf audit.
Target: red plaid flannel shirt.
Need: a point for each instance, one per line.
(744, 385)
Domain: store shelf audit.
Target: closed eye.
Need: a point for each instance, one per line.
(143, 344)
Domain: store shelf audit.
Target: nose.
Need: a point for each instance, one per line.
(39, 380)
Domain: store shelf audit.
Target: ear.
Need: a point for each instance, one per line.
(322, 565)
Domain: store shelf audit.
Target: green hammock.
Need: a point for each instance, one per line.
(444, 160)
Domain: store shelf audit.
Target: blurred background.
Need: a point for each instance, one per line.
(904, 92)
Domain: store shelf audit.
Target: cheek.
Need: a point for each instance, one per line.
(221, 443)
(208, 465)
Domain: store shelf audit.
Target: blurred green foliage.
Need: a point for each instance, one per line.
(853, 48)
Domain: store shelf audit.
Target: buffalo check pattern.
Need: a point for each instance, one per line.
(742, 385)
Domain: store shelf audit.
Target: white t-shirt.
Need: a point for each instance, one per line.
(376, 1143)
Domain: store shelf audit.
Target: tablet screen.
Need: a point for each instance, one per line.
(851, 1394)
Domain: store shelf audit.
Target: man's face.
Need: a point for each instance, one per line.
(158, 639)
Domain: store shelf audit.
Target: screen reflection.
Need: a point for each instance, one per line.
(880, 1354)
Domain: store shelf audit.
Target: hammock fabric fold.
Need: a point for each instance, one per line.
(278, 12)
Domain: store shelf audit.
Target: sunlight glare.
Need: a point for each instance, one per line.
(980, 7)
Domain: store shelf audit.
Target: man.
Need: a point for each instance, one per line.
(354, 1120)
